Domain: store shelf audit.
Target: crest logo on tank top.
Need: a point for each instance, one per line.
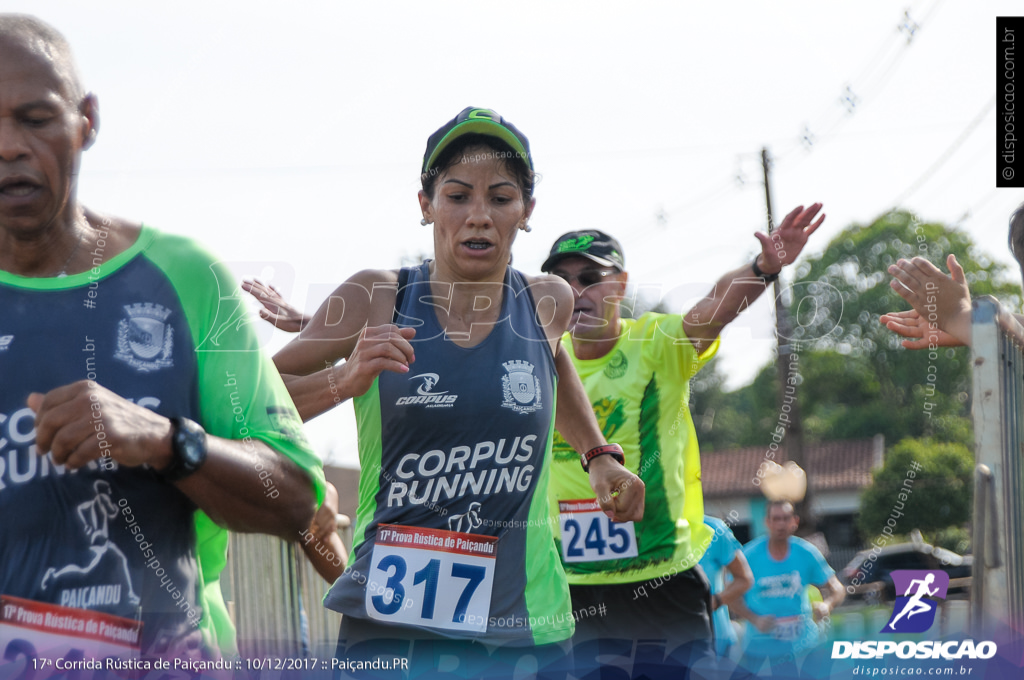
(5, 342)
(145, 340)
(520, 387)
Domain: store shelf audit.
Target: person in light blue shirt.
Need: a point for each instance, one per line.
(780, 615)
(724, 553)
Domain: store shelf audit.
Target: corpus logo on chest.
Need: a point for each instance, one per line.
(426, 393)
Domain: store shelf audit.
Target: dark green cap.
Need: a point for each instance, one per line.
(592, 244)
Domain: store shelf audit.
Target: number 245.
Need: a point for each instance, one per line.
(594, 539)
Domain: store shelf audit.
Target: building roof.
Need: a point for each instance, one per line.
(831, 466)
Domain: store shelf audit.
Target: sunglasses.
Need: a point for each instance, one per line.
(587, 277)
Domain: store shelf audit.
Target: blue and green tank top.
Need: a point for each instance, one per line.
(453, 532)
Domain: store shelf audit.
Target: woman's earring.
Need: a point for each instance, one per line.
(424, 222)
(526, 227)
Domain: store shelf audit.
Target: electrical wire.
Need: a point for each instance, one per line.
(946, 155)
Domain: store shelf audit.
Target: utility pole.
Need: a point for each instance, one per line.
(788, 370)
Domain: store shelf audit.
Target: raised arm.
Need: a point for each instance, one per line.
(735, 291)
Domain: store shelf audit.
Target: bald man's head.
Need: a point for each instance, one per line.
(27, 32)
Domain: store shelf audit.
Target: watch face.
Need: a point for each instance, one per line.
(193, 452)
(190, 445)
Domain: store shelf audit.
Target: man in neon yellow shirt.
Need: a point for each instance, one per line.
(641, 578)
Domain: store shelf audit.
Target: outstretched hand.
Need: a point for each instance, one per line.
(914, 328)
(786, 243)
(276, 309)
(942, 304)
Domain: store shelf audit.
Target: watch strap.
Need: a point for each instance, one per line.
(767, 278)
(613, 450)
(188, 449)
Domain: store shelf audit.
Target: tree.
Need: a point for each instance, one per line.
(726, 420)
(839, 295)
(923, 485)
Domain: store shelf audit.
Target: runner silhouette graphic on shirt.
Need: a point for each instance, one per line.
(96, 515)
(914, 604)
(467, 521)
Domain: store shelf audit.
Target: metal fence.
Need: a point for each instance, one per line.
(270, 586)
(838, 558)
(998, 527)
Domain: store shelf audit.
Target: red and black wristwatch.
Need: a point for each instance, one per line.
(613, 450)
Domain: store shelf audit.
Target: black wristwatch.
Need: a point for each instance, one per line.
(188, 449)
(767, 278)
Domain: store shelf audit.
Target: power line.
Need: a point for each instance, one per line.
(871, 80)
(881, 66)
(947, 154)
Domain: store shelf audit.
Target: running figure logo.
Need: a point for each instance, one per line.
(429, 380)
(467, 521)
(912, 613)
(95, 515)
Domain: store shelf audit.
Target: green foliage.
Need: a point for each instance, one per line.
(840, 294)
(957, 539)
(731, 419)
(856, 378)
(937, 496)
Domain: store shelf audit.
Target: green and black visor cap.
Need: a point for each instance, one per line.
(479, 121)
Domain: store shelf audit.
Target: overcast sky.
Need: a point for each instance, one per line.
(289, 140)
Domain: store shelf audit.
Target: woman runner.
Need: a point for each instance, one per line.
(456, 369)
